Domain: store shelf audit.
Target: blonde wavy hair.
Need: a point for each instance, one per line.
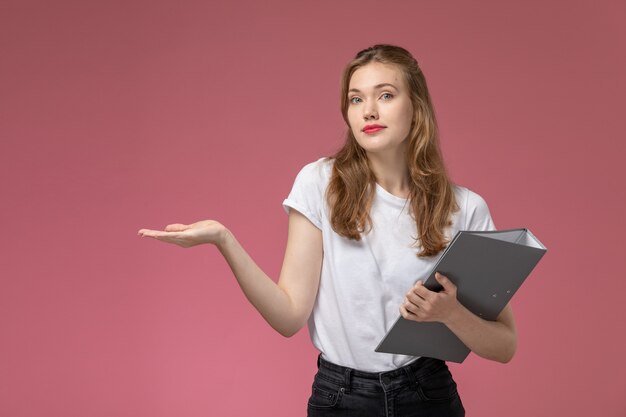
(352, 185)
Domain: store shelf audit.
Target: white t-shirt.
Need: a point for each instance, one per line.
(362, 284)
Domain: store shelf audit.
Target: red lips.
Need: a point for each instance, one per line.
(372, 127)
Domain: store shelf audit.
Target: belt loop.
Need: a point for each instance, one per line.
(346, 374)
(318, 360)
(409, 373)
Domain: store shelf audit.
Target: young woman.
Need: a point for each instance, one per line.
(364, 226)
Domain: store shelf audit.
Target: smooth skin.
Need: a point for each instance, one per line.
(495, 340)
(287, 304)
(378, 95)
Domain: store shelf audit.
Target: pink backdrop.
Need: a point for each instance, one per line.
(115, 116)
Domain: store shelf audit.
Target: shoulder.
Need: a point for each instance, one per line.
(318, 171)
(321, 166)
(474, 208)
(473, 200)
(468, 199)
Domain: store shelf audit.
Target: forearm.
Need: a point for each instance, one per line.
(489, 339)
(265, 295)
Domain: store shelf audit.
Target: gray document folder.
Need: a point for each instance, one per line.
(487, 268)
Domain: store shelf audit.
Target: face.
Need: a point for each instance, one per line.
(378, 95)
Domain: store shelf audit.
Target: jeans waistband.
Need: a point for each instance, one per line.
(387, 380)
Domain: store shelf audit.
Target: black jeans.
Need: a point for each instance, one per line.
(422, 388)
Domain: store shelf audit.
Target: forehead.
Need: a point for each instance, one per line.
(376, 73)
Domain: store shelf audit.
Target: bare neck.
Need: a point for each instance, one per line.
(391, 172)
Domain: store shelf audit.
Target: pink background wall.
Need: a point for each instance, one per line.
(120, 115)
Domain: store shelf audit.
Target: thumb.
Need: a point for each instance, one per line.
(445, 282)
(176, 227)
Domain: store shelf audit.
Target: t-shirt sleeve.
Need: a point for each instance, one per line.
(478, 215)
(306, 195)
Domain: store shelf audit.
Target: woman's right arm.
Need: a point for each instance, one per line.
(285, 305)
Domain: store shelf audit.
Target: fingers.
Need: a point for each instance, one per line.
(174, 233)
(416, 298)
(413, 298)
(445, 282)
(171, 237)
(149, 232)
(412, 312)
(407, 314)
(176, 227)
(412, 304)
(420, 291)
(419, 300)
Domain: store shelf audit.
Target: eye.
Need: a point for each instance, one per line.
(353, 98)
(388, 94)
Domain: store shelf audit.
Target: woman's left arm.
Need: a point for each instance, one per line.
(494, 340)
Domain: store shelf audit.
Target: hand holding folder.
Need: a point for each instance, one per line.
(487, 269)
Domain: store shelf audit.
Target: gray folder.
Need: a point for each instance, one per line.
(487, 268)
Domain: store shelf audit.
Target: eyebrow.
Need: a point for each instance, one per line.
(376, 87)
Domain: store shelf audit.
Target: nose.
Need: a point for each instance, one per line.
(370, 112)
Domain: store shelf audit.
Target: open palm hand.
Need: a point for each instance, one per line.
(187, 235)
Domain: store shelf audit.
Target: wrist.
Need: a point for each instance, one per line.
(456, 315)
(224, 237)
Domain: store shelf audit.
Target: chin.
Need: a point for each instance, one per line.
(372, 149)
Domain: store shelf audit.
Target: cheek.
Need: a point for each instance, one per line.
(409, 116)
(352, 120)
(410, 112)
(350, 114)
